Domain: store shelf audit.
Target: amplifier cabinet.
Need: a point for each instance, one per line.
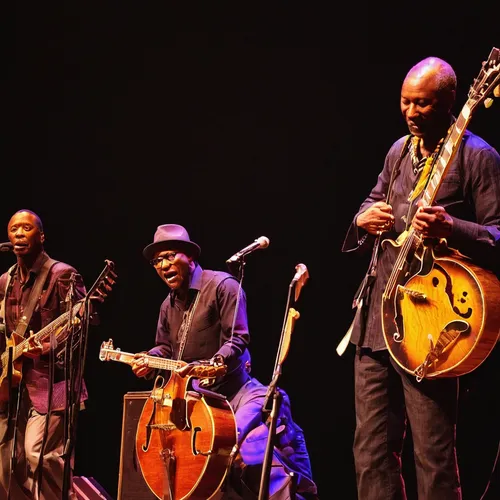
(131, 483)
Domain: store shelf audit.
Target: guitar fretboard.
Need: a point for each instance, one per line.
(152, 361)
(447, 153)
(41, 335)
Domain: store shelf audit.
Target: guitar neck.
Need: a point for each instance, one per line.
(43, 334)
(101, 286)
(152, 361)
(446, 154)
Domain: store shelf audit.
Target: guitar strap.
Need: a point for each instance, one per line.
(186, 324)
(36, 291)
(376, 247)
(364, 288)
(10, 273)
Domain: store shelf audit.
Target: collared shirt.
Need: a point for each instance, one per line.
(211, 329)
(51, 305)
(470, 193)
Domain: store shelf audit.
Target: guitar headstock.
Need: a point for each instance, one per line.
(104, 283)
(487, 83)
(107, 350)
(202, 370)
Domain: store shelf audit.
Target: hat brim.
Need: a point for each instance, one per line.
(192, 249)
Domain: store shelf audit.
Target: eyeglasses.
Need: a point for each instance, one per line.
(158, 262)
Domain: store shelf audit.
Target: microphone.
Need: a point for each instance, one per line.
(301, 271)
(261, 242)
(6, 247)
(300, 278)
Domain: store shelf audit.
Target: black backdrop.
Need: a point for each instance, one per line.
(236, 123)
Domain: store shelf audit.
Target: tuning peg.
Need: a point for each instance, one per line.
(106, 287)
(488, 102)
(496, 91)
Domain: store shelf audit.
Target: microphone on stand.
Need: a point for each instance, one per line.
(6, 247)
(262, 242)
(301, 271)
(300, 278)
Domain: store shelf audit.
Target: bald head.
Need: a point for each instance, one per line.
(435, 70)
(427, 99)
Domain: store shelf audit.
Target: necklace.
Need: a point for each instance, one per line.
(424, 165)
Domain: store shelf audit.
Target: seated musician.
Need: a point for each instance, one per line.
(204, 317)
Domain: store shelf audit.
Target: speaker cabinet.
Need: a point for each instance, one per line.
(131, 483)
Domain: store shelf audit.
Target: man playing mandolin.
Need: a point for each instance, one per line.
(463, 213)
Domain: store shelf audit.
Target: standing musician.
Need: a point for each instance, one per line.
(467, 214)
(32, 412)
(204, 317)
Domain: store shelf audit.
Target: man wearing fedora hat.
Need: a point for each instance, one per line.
(204, 317)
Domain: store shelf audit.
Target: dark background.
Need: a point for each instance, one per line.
(236, 122)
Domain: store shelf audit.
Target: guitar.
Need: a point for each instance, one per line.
(440, 311)
(184, 438)
(55, 329)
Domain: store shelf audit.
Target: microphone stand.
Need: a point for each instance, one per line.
(12, 419)
(69, 299)
(238, 274)
(74, 380)
(69, 373)
(273, 391)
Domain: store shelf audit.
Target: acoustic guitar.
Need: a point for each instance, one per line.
(184, 438)
(56, 329)
(440, 311)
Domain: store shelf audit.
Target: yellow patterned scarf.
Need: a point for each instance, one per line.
(426, 170)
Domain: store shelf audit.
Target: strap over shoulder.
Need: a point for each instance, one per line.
(10, 273)
(36, 291)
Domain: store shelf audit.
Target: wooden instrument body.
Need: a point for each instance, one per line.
(188, 439)
(448, 301)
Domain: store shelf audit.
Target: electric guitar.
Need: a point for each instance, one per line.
(184, 438)
(54, 330)
(440, 311)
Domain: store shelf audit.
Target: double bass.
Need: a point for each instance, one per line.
(185, 438)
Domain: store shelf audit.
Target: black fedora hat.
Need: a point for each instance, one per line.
(168, 236)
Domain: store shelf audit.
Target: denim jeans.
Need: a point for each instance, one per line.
(386, 399)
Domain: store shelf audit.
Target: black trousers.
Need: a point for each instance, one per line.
(386, 399)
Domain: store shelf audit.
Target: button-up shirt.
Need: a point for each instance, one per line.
(211, 328)
(51, 304)
(470, 193)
